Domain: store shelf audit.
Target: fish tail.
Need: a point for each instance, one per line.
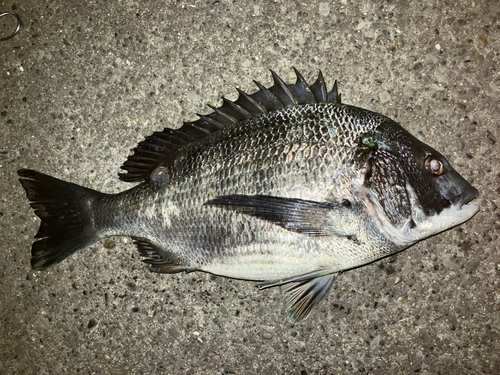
(67, 217)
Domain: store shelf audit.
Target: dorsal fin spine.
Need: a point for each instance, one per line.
(333, 95)
(301, 86)
(276, 104)
(259, 108)
(319, 90)
(223, 114)
(282, 92)
(211, 121)
(244, 113)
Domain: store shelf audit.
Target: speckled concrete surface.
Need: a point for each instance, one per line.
(85, 81)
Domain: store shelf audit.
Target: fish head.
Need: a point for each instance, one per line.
(410, 188)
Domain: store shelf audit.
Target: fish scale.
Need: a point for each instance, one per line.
(286, 186)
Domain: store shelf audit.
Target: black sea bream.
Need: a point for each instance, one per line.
(286, 186)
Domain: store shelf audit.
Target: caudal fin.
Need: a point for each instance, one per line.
(66, 214)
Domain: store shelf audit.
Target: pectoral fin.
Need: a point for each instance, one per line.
(302, 296)
(298, 215)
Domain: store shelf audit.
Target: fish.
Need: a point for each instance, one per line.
(286, 187)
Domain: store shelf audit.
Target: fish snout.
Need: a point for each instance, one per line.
(465, 197)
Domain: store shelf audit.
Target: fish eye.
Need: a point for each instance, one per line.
(434, 165)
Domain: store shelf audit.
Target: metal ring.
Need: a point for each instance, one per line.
(18, 26)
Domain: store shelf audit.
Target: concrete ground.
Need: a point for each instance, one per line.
(85, 81)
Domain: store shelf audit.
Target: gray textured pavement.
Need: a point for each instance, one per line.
(85, 81)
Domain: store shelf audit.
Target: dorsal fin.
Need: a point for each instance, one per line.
(159, 146)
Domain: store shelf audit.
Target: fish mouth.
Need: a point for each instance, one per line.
(465, 197)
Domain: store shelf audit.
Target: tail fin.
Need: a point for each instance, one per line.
(66, 214)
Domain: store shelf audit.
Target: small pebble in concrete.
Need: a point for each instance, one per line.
(92, 323)
(324, 9)
(109, 244)
(385, 97)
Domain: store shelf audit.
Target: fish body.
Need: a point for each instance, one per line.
(286, 186)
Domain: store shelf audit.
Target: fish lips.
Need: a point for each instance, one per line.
(465, 197)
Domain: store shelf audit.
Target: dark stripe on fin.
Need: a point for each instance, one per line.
(297, 215)
(66, 214)
(302, 296)
(159, 148)
(156, 262)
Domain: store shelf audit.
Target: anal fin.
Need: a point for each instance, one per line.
(302, 296)
(156, 262)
